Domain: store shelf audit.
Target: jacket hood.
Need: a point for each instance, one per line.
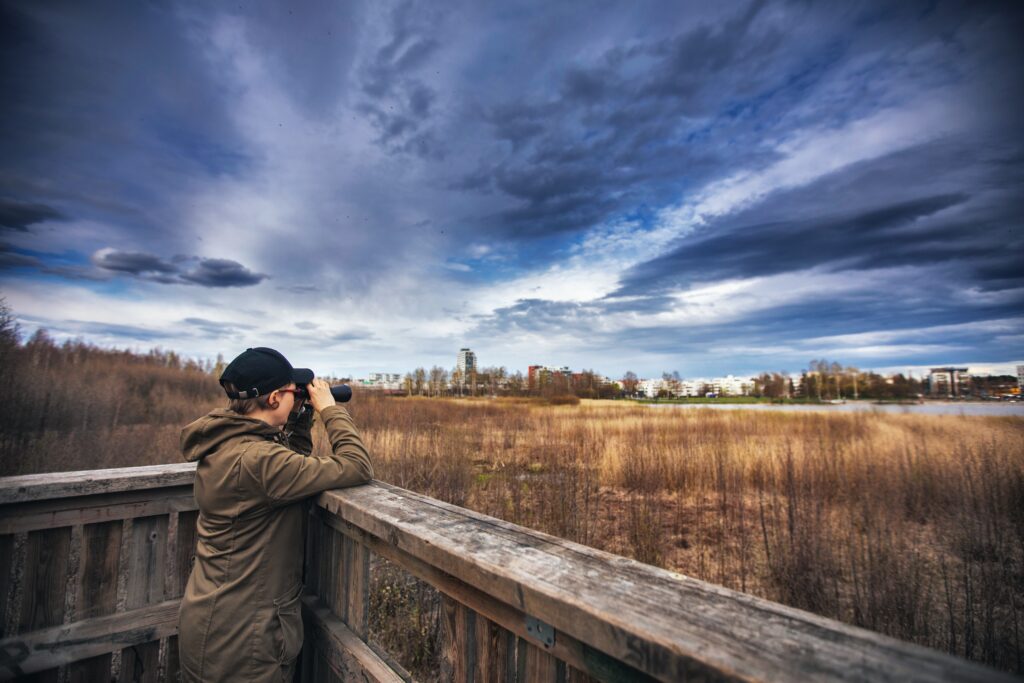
(210, 432)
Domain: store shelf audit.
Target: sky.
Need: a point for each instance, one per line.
(707, 188)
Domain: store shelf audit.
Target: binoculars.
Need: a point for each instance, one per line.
(341, 393)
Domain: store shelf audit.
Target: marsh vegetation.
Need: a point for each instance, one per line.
(910, 525)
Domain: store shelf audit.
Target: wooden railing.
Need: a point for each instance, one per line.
(92, 565)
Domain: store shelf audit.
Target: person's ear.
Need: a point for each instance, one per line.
(274, 399)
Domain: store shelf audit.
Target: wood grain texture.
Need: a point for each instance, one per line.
(184, 552)
(46, 648)
(344, 653)
(145, 586)
(566, 647)
(91, 482)
(333, 586)
(667, 625)
(44, 586)
(492, 651)
(45, 579)
(7, 569)
(58, 512)
(96, 589)
(357, 590)
(541, 667)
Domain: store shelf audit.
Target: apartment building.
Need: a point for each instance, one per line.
(466, 362)
(946, 382)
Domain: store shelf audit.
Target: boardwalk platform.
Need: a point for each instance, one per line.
(93, 564)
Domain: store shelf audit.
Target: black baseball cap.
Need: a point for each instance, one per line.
(257, 372)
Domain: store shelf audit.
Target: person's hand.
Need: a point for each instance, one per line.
(320, 394)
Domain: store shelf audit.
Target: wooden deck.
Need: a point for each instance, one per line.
(92, 565)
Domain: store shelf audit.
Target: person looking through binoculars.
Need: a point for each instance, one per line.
(241, 615)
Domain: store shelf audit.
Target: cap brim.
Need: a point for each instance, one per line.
(302, 376)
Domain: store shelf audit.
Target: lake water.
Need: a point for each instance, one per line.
(929, 408)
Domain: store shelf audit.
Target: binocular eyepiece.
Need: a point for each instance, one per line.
(341, 393)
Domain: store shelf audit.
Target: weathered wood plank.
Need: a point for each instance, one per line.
(90, 482)
(96, 590)
(541, 667)
(184, 552)
(311, 570)
(45, 579)
(492, 644)
(97, 576)
(357, 589)
(7, 570)
(566, 647)
(459, 648)
(58, 512)
(665, 624)
(184, 556)
(47, 648)
(332, 587)
(348, 656)
(574, 675)
(44, 587)
(145, 586)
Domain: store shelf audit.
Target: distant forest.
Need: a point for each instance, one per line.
(74, 404)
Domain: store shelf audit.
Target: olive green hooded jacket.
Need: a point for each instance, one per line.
(240, 617)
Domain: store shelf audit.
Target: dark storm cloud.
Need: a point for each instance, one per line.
(916, 208)
(20, 215)
(109, 112)
(222, 273)
(133, 263)
(205, 272)
(867, 239)
(9, 258)
(619, 132)
(398, 99)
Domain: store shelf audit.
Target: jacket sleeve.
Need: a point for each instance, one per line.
(286, 476)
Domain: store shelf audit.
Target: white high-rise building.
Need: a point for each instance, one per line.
(466, 362)
(1020, 377)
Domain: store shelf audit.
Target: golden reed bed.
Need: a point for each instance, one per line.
(910, 525)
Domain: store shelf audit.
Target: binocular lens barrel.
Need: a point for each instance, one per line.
(341, 393)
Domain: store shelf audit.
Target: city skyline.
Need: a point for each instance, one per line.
(655, 187)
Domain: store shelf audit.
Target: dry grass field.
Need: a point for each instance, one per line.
(908, 525)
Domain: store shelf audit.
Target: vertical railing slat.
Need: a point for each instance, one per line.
(541, 667)
(96, 590)
(184, 553)
(44, 584)
(7, 569)
(333, 586)
(459, 634)
(492, 651)
(145, 585)
(357, 575)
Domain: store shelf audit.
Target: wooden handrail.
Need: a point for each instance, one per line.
(31, 487)
(665, 625)
(520, 604)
